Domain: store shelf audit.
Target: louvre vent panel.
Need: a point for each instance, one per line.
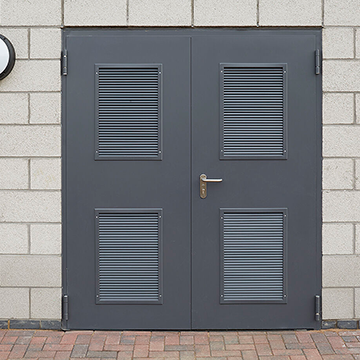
(253, 256)
(128, 256)
(129, 112)
(253, 111)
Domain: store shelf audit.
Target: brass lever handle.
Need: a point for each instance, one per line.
(203, 184)
(211, 180)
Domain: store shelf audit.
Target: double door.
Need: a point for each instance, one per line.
(191, 179)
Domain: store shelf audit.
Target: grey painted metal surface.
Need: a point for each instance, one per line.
(142, 184)
(191, 91)
(257, 184)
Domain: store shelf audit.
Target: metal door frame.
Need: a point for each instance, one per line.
(316, 31)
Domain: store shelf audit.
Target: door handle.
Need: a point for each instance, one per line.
(203, 184)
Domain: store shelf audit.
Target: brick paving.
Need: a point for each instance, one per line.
(184, 345)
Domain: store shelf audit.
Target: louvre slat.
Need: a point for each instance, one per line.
(253, 98)
(129, 112)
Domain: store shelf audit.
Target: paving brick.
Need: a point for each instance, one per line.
(231, 339)
(263, 349)
(69, 338)
(127, 340)
(202, 350)
(111, 339)
(300, 346)
(290, 338)
(178, 347)
(117, 347)
(325, 349)
(216, 345)
(141, 350)
(157, 345)
(125, 355)
(249, 354)
(312, 354)
(17, 352)
(242, 346)
(277, 344)
(6, 347)
(83, 339)
(287, 352)
(246, 340)
(58, 347)
(39, 354)
(336, 342)
(79, 351)
(23, 340)
(164, 354)
(62, 355)
(142, 339)
(185, 340)
(187, 355)
(226, 353)
(4, 355)
(172, 340)
(101, 354)
(304, 337)
(260, 339)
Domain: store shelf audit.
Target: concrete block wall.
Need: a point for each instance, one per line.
(30, 134)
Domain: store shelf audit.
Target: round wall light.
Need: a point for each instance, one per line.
(7, 57)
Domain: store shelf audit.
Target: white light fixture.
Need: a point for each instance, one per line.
(7, 57)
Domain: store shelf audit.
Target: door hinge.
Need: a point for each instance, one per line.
(317, 62)
(317, 307)
(64, 63)
(65, 307)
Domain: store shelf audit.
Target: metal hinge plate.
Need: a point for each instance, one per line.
(317, 62)
(64, 63)
(65, 307)
(317, 307)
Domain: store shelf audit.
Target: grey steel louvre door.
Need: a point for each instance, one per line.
(191, 179)
(127, 229)
(255, 254)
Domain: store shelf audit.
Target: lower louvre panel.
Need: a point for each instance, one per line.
(128, 256)
(253, 255)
